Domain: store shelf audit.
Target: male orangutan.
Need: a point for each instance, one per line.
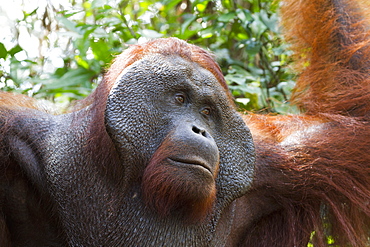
(158, 155)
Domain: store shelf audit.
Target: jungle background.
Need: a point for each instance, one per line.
(58, 50)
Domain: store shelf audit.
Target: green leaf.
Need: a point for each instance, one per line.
(258, 26)
(82, 62)
(101, 51)
(227, 17)
(201, 6)
(98, 3)
(15, 50)
(207, 33)
(3, 51)
(71, 78)
(271, 23)
(71, 26)
(244, 15)
(69, 14)
(186, 24)
(240, 72)
(235, 78)
(170, 4)
(99, 33)
(252, 47)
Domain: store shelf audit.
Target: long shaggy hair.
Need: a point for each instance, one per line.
(316, 166)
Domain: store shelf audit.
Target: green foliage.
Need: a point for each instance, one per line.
(244, 36)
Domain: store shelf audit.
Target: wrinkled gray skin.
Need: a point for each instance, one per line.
(85, 202)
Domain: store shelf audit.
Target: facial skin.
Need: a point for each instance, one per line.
(186, 108)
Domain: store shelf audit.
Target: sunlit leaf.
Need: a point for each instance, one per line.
(3, 51)
(101, 51)
(170, 4)
(15, 50)
(98, 3)
(72, 77)
(201, 6)
(68, 24)
(81, 62)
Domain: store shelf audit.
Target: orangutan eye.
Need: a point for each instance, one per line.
(206, 111)
(180, 98)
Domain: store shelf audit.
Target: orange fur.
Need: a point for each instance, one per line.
(11, 100)
(166, 47)
(318, 173)
(315, 167)
(169, 189)
(333, 38)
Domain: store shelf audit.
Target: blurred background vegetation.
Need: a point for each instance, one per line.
(58, 50)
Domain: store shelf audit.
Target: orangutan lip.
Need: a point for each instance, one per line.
(191, 162)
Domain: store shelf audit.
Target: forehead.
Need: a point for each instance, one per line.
(169, 70)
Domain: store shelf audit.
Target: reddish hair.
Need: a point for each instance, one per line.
(315, 167)
(317, 171)
(166, 46)
(168, 189)
(331, 43)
